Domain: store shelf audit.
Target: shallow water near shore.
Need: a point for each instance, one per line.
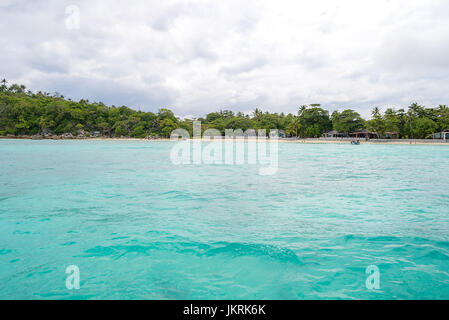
(139, 227)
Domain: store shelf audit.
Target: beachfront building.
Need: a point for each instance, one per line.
(364, 134)
(444, 135)
(335, 135)
(391, 135)
(282, 134)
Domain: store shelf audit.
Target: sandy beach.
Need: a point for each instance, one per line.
(281, 140)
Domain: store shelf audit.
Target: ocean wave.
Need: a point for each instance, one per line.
(233, 250)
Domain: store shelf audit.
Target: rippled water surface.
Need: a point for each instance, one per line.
(139, 227)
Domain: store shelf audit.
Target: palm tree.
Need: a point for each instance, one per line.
(412, 114)
(301, 110)
(3, 86)
(375, 112)
(257, 113)
(294, 126)
(442, 108)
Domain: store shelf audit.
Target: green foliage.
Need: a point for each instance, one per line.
(23, 112)
(314, 122)
(423, 128)
(377, 124)
(392, 121)
(27, 113)
(167, 127)
(347, 121)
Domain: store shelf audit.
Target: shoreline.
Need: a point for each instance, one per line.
(281, 140)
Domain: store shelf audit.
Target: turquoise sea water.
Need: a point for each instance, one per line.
(139, 227)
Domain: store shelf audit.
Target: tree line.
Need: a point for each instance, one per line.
(23, 112)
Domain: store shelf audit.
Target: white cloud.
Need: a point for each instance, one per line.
(199, 56)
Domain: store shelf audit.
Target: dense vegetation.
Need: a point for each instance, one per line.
(23, 112)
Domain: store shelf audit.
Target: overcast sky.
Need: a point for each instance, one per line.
(201, 56)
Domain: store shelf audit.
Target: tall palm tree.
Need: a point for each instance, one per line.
(375, 112)
(296, 124)
(301, 110)
(3, 86)
(412, 113)
(257, 113)
(443, 108)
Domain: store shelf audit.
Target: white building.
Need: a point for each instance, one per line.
(442, 135)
